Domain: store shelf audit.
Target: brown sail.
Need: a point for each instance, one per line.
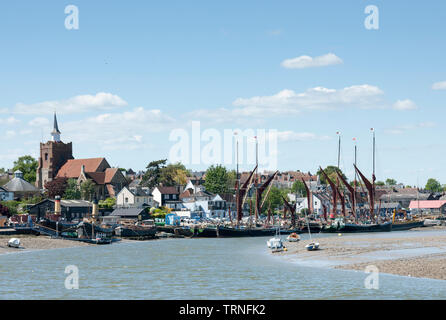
(352, 193)
(241, 194)
(370, 189)
(334, 191)
(260, 191)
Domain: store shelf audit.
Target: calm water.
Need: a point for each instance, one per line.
(192, 269)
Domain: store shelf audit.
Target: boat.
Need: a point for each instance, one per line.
(294, 237)
(134, 231)
(205, 232)
(87, 230)
(339, 226)
(276, 245)
(14, 243)
(236, 232)
(407, 225)
(59, 226)
(313, 246)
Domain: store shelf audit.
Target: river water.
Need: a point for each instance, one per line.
(192, 269)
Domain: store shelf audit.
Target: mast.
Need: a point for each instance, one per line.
(259, 192)
(372, 212)
(355, 182)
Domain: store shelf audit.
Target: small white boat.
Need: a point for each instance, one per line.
(312, 246)
(294, 237)
(275, 244)
(14, 243)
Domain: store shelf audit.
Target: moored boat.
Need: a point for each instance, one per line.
(403, 226)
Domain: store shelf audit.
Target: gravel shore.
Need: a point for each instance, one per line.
(31, 242)
(418, 253)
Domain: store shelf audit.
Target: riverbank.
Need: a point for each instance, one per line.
(31, 243)
(417, 253)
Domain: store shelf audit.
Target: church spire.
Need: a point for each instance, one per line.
(55, 133)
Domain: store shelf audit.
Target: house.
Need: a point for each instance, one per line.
(70, 209)
(20, 188)
(302, 203)
(135, 197)
(214, 207)
(107, 180)
(403, 196)
(428, 206)
(6, 195)
(168, 197)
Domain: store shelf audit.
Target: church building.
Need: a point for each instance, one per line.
(56, 161)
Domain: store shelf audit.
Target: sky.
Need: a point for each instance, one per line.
(136, 74)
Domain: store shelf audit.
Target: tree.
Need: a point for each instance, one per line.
(331, 173)
(12, 206)
(4, 210)
(108, 203)
(72, 191)
(56, 187)
(217, 179)
(87, 190)
(173, 174)
(433, 185)
(391, 182)
(380, 183)
(299, 187)
(152, 176)
(28, 166)
(274, 199)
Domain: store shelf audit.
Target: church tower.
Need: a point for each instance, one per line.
(53, 155)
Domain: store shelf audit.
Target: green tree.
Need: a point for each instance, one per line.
(331, 173)
(380, 183)
(108, 203)
(274, 199)
(72, 191)
(87, 190)
(13, 206)
(391, 182)
(173, 174)
(218, 179)
(28, 166)
(299, 187)
(433, 185)
(153, 173)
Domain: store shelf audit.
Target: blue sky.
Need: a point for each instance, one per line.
(135, 71)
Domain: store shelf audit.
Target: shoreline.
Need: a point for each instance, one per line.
(419, 253)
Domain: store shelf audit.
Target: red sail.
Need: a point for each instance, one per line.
(292, 211)
(309, 196)
(241, 194)
(370, 189)
(351, 190)
(333, 189)
(260, 191)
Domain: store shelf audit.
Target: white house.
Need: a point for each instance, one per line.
(134, 198)
(168, 197)
(213, 208)
(302, 203)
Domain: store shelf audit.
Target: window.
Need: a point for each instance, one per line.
(126, 200)
(46, 156)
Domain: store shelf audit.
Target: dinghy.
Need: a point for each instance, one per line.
(14, 243)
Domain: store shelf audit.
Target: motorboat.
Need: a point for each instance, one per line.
(312, 246)
(275, 244)
(294, 237)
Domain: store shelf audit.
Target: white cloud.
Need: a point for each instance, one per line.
(39, 122)
(9, 121)
(439, 85)
(77, 104)
(309, 62)
(410, 127)
(405, 105)
(112, 131)
(289, 102)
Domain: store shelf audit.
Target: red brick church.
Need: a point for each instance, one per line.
(56, 161)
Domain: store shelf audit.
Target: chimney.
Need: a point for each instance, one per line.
(95, 213)
(57, 208)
